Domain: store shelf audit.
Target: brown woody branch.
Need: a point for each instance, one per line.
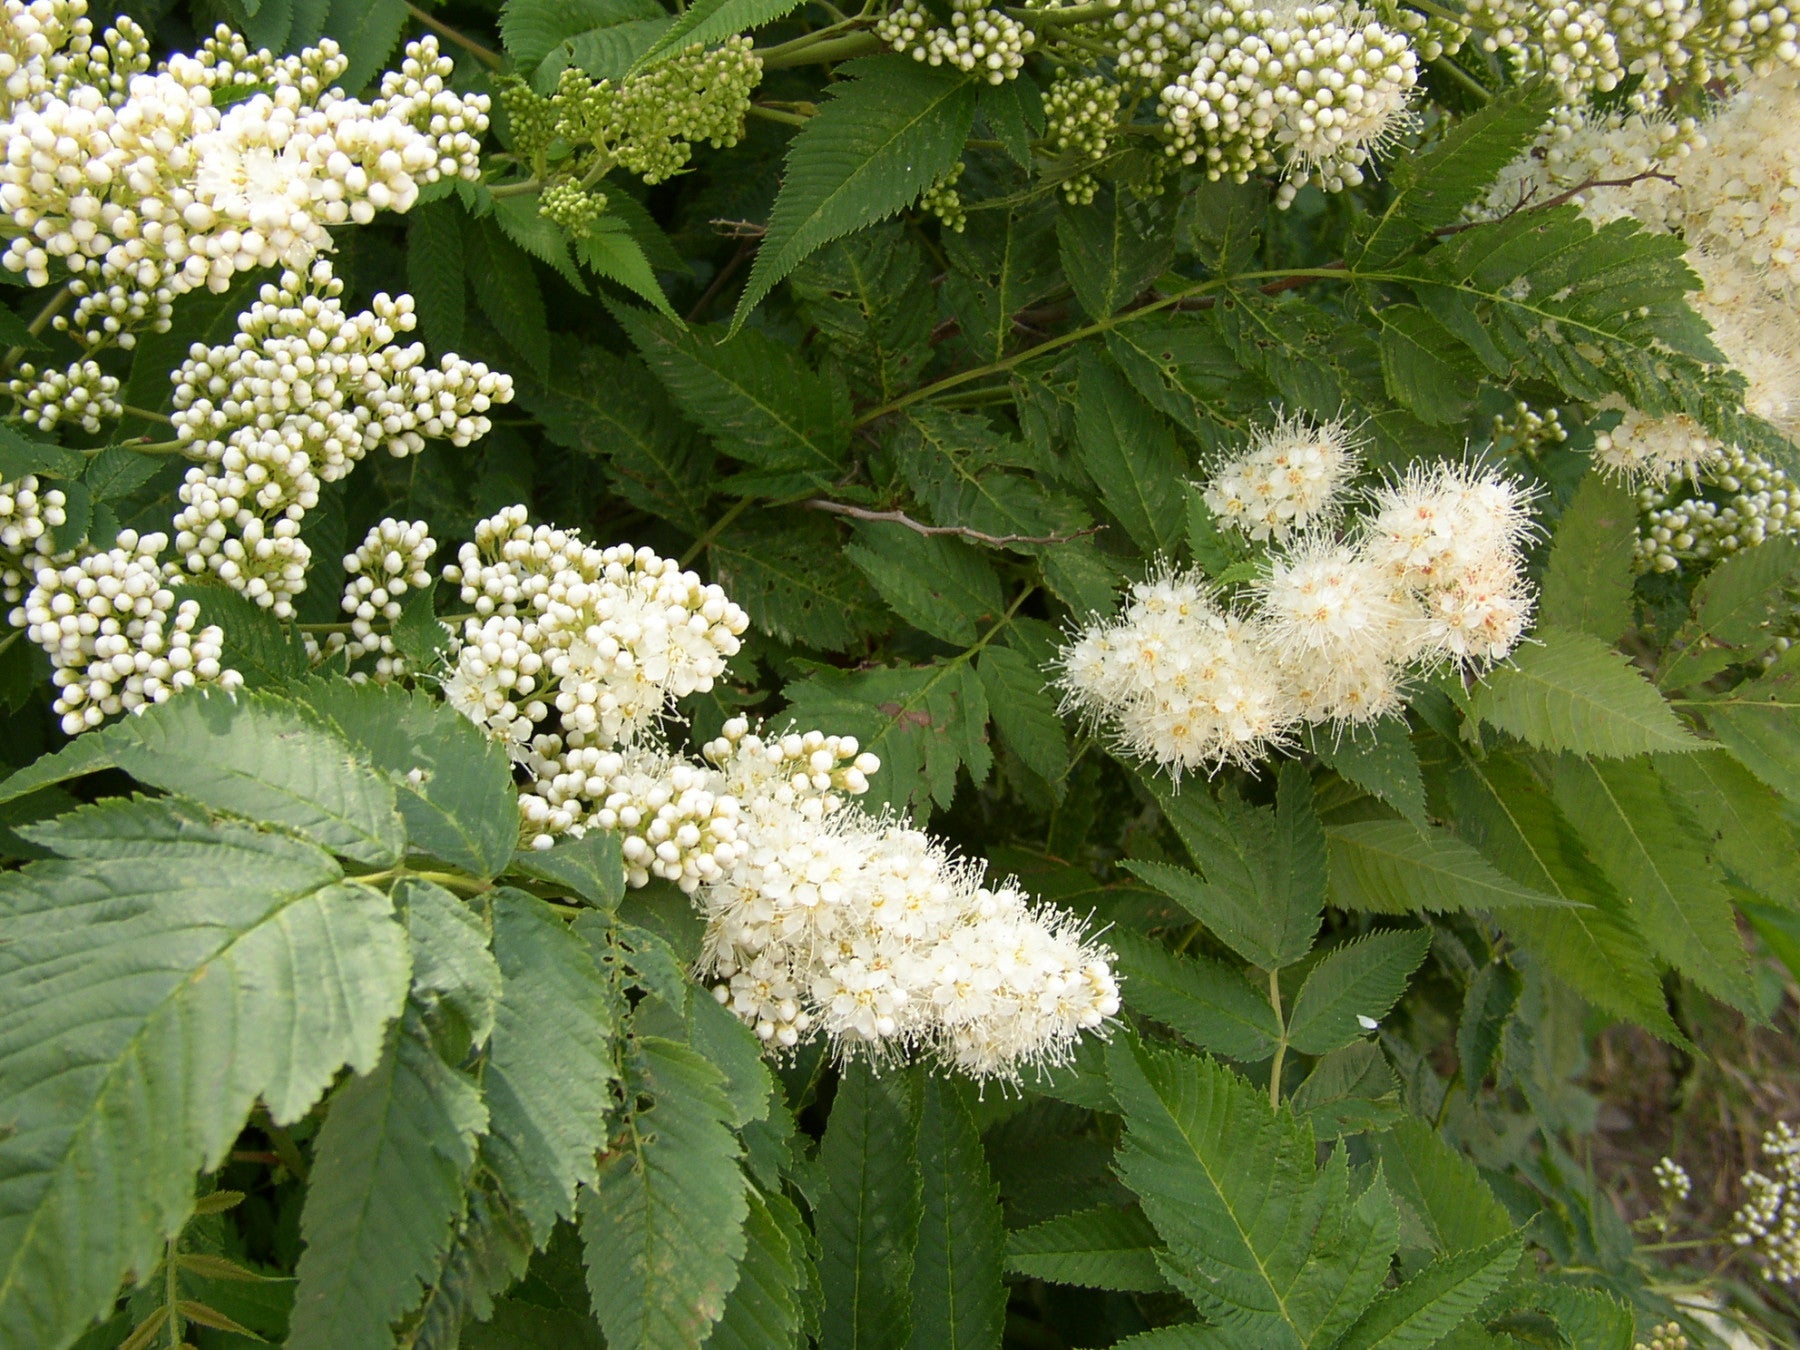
(960, 531)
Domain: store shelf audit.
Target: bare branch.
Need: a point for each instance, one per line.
(960, 531)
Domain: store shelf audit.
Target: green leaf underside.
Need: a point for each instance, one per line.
(163, 942)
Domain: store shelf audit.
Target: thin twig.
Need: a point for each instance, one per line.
(961, 531)
(722, 278)
(467, 43)
(39, 322)
(738, 229)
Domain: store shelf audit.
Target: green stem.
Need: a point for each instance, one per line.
(449, 34)
(40, 321)
(768, 114)
(1281, 1043)
(519, 189)
(128, 411)
(1687, 1245)
(1467, 82)
(149, 448)
(1105, 325)
(808, 52)
(172, 1292)
(717, 528)
(1052, 16)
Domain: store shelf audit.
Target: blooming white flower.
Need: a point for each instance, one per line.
(1644, 449)
(1293, 476)
(1768, 1222)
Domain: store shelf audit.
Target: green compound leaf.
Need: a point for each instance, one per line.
(1363, 978)
(764, 1310)
(551, 1068)
(453, 784)
(1024, 712)
(1391, 867)
(1257, 1235)
(958, 1296)
(1440, 1187)
(385, 1191)
(869, 1213)
(161, 943)
(252, 755)
(1570, 691)
(885, 136)
(1102, 1248)
(792, 577)
(1113, 247)
(663, 1228)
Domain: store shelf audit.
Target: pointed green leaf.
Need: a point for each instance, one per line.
(958, 1297)
(435, 274)
(386, 1187)
(939, 585)
(1575, 693)
(663, 1229)
(610, 249)
(1650, 854)
(1131, 454)
(1103, 1248)
(550, 1069)
(1434, 1302)
(252, 755)
(1759, 722)
(1362, 978)
(1390, 867)
(453, 783)
(1380, 759)
(1742, 817)
(1427, 371)
(706, 22)
(1734, 605)
(885, 136)
(763, 1311)
(1208, 1002)
(1024, 712)
(591, 867)
(1441, 1188)
(453, 972)
(1488, 1005)
(1113, 247)
(163, 942)
(868, 1217)
(1588, 580)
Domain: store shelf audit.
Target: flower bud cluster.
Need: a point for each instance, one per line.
(648, 124)
(1665, 1336)
(30, 514)
(1527, 430)
(1430, 571)
(1768, 1222)
(575, 649)
(393, 559)
(1290, 479)
(942, 200)
(116, 638)
(1081, 118)
(1759, 502)
(295, 401)
(573, 207)
(83, 394)
(148, 196)
(1672, 1181)
(1583, 147)
(978, 41)
(1152, 38)
(47, 47)
(820, 920)
(1589, 46)
(1318, 88)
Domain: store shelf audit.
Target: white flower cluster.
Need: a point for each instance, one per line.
(295, 401)
(393, 559)
(150, 195)
(1290, 479)
(1319, 88)
(1768, 1222)
(821, 920)
(988, 42)
(83, 394)
(29, 515)
(117, 639)
(1081, 117)
(1430, 571)
(831, 921)
(1672, 1180)
(1655, 450)
(1600, 153)
(1762, 503)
